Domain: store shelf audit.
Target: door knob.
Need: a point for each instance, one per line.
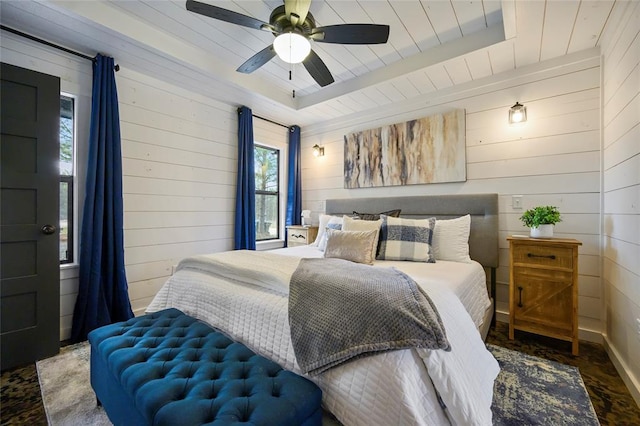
(48, 229)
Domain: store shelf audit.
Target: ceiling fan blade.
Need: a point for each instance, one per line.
(352, 34)
(257, 60)
(297, 8)
(318, 69)
(226, 15)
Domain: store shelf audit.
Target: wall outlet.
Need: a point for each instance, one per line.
(516, 202)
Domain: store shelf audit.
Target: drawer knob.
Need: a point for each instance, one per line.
(548, 256)
(520, 297)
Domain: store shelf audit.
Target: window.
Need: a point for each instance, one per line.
(67, 136)
(267, 177)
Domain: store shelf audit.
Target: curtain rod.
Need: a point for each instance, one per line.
(271, 121)
(48, 43)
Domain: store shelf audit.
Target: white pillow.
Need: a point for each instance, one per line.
(356, 246)
(451, 239)
(323, 244)
(355, 224)
(324, 220)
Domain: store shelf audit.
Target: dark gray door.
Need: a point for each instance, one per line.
(29, 185)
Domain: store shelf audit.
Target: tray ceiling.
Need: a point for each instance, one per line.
(432, 45)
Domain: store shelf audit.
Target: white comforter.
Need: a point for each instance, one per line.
(466, 280)
(394, 387)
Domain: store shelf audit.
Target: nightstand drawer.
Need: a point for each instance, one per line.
(301, 235)
(297, 236)
(558, 257)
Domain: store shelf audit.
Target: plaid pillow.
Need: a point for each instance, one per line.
(406, 239)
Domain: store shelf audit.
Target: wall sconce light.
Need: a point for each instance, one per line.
(517, 114)
(318, 151)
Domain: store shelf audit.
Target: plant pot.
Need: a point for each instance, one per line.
(542, 231)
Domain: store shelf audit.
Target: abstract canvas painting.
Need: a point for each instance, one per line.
(425, 150)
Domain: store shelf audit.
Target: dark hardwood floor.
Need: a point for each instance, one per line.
(22, 403)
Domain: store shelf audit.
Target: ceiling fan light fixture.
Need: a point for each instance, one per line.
(292, 47)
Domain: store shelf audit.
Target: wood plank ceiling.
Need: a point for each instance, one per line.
(432, 46)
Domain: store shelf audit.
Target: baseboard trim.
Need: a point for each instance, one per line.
(65, 333)
(632, 382)
(583, 334)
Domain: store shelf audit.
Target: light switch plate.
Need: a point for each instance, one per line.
(516, 202)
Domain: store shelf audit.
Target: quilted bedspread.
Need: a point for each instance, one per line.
(395, 387)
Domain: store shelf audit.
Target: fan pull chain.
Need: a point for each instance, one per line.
(294, 93)
(290, 66)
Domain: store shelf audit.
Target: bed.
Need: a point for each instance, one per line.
(244, 295)
(483, 238)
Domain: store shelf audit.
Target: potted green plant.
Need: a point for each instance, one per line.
(541, 220)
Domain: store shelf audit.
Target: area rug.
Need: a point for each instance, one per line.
(528, 391)
(66, 389)
(534, 391)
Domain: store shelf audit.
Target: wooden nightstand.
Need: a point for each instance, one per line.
(543, 287)
(301, 235)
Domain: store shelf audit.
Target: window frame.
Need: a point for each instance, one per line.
(70, 180)
(277, 193)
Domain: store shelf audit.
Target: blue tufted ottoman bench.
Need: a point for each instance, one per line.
(168, 368)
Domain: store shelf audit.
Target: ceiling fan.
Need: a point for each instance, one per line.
(293, 26)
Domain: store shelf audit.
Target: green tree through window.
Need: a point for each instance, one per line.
(66, 179)
(267, 175)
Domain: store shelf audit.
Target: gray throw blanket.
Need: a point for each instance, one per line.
(340, 311)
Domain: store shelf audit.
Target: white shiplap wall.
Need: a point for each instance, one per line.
(179, 170)
(179, 154)
(553, 159)
(621, 192)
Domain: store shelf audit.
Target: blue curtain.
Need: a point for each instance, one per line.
(294, 187)
(245, 224)
(103, 291)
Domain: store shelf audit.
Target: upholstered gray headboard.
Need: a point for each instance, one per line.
(483, 208)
